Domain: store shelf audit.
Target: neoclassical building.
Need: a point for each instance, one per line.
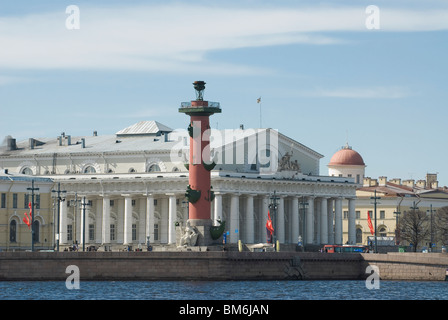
(129, 187)
(396, 196)
(15, 198)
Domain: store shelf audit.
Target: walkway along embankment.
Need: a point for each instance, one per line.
(215, 265)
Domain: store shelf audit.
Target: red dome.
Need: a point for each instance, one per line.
(346, 157)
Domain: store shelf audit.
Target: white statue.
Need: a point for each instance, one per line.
(190, 236)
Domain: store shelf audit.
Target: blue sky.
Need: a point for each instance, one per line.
(323, 76)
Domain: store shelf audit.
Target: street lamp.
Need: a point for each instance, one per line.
(273, 206)
(432, 233)
(375, 198)
(302, 222)
(32, 189)
(60, 196)
(397, 230)
(83, 203)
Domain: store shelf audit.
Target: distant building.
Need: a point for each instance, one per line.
(135, 185)
(396, 195)
(14, 203)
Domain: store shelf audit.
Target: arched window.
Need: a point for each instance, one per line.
(154, 168)
(89, 169)
(382, 231)
(13, 231)
(358, 235)
(27, 171)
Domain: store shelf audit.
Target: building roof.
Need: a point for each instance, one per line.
(346, 157)
(145, 128)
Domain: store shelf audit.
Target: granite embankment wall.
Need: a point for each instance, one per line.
(218, 265)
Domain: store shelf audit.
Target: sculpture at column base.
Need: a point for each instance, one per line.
(190, 235)
(198, 232)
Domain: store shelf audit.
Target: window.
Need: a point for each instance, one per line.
(382, 214)
(357, 178)
(154, 168)
(37, 202)
(26, 200)
(89, 169)
(112, 232)
(134, 232)
(13, 231)
(69, 232)
(358, 214)
(358, 235)
(383, 231)
(91, 232)
(3, 204)
(111, 203)
(14, 200)
(156, 231)
(27, 171)
(345, 214)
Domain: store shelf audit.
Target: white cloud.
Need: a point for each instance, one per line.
(177, 38)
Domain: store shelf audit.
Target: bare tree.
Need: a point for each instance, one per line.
(414, 227)
(441, 225)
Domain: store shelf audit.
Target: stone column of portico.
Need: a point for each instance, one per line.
(84, 225)
(249, 225)
(105, 232)
(351, 221)
(295, 229)
(330, 215)
(234, 218)
(310, 221)
(63, 223)
(280, 220)
(323, 220)
(317, 224)
(127, 228)
(171, 218)
(217, 210)
(338, 220)
(150, 217)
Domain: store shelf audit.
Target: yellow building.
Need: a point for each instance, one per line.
(15, 199)
(394, 198)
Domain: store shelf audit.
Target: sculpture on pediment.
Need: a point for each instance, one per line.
(286, 164)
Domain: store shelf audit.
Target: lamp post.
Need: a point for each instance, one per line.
(432, 233)
(397, 229)
(32, 189)
(273, 206)
(414, 208)
(302, 223)
(375, 198)
(59, 195)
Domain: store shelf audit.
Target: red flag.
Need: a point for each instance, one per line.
(369, 222)
(27, 219)
(269, 224)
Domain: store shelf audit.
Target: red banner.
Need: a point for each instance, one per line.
(369, 222)
(27, 219)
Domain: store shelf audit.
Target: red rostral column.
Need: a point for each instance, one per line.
(199, 192)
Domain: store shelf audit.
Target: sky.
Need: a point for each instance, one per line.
(328, 72)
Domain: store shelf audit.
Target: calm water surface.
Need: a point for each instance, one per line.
(220, 290)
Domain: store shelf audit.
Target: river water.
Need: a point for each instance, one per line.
(224, 290)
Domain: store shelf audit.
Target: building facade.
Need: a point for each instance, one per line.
(128, 188)
(395, 197)
(15, 200)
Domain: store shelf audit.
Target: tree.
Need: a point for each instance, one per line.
(441, 225)
(414, 227)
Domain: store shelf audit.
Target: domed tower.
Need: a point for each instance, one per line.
(347, 163)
